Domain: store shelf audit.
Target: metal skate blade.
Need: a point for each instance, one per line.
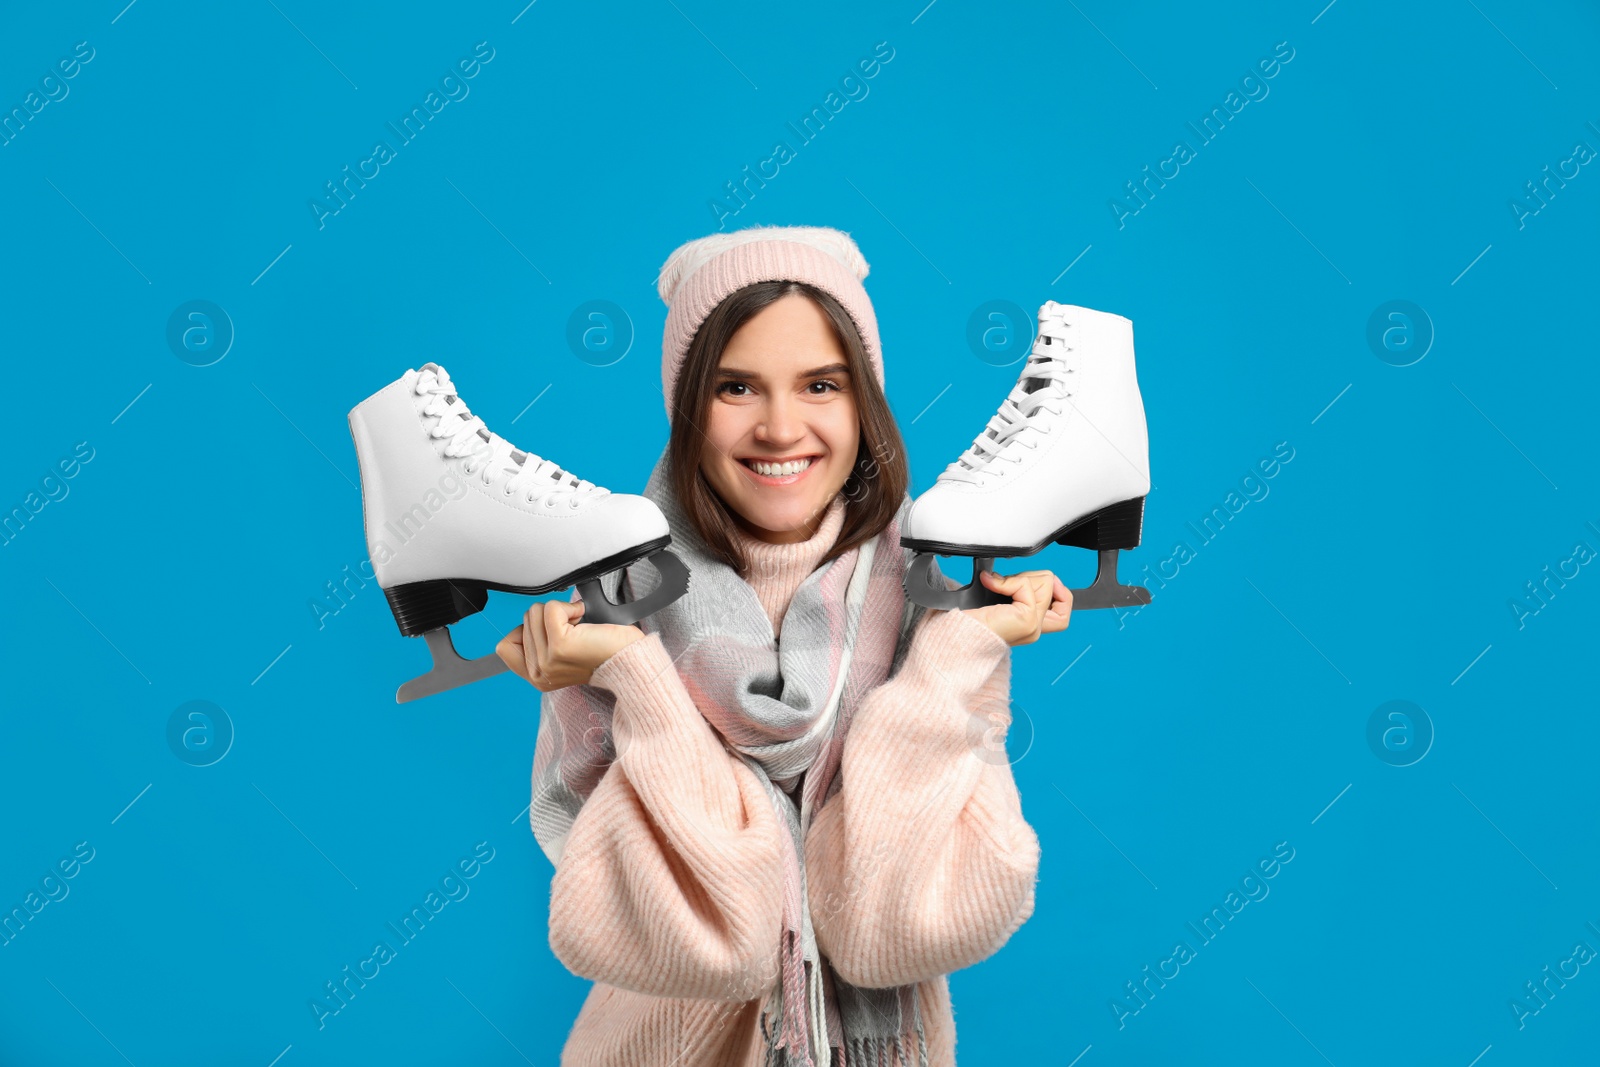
(450, 670)
(674, 583)
(1106, 591)
(925, 585)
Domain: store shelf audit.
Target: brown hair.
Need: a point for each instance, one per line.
(876, 486)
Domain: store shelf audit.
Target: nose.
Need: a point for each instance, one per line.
(780, 423)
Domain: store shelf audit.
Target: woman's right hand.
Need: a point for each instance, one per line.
(1040, 604)
(552, 650)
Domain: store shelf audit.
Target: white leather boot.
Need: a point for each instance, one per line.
(1066, 459)
(453, 510)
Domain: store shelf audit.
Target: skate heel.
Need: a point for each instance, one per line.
(427, 609)
(1107, 531)
(423, 606)
(1115, 526)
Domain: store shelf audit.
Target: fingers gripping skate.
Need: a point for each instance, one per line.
(925, 585)
(1105, 531)
(435, 605)
(597, 607)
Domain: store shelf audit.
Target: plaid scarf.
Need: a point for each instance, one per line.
(783, 705)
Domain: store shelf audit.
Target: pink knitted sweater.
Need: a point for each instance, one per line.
(669, 892)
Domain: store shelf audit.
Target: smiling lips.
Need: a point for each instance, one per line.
(785, 473)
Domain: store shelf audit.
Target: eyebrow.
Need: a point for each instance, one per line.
(832, 368)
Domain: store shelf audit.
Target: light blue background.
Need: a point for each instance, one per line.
(1182, 744)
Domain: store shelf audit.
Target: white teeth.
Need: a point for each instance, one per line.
(778, 470)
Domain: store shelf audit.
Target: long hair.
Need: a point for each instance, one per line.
(880, 477)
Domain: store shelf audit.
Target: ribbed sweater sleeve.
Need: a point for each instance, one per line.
(671, 882)
(922, 863)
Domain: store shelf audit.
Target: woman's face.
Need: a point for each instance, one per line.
(782, 393)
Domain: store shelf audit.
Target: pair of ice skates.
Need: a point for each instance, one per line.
(453, 510)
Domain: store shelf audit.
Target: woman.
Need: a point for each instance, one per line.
(774, 807)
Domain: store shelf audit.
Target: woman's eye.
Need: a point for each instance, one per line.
(729, 385)
(832, 386)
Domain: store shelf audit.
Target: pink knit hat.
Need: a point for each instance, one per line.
(699, 275)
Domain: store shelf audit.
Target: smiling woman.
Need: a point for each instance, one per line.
(777, 405)
(771, 833)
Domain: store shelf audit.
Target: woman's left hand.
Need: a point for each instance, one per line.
(1040, 604)
(552, 650)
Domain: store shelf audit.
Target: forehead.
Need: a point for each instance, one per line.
(791, 336)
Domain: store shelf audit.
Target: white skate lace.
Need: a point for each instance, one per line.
(1024, 415)
(486, 451)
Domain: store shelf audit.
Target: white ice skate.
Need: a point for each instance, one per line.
(1066, 459)
(453, 510)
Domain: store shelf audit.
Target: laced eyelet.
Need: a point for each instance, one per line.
(573, 503)
(549, 501)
